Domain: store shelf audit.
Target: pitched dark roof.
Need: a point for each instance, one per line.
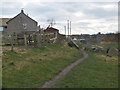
(61, 35)
(51, 29)
(3, 21)
(19, 14)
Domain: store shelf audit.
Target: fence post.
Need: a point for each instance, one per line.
(29, 39)
(44, 37)
(17, 41)
(25, 40)
(12, 43)
(35, 41)
(38, 39)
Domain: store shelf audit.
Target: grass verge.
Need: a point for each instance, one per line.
(33, 67)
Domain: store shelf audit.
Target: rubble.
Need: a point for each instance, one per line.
(112, 52)
(97, 48)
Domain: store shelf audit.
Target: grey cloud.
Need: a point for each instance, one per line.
(62, 11)
(11, 8)
(101, 13)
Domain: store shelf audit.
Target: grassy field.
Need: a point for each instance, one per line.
(110, 44)
(33, 67)
(93, 72)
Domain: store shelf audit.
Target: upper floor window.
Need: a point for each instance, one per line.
(25, 26)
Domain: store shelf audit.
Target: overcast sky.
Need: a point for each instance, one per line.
(86, 17)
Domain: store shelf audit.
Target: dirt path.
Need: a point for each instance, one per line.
(64, 71)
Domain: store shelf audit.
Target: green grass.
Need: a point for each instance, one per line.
(93, 72)
(33, 67)
(110, 45)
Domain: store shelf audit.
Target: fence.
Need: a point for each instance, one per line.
(38, 39)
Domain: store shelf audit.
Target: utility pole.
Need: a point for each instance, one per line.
(65, 30)
(68, 28)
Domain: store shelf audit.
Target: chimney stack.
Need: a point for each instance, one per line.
(22, 10)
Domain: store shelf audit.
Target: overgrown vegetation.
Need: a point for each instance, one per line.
(93, 72)
(33, 67)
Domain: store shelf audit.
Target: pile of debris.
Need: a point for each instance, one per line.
(97, 48)
(71, 43)
(94, 48)
(112, 52)
(109, 52)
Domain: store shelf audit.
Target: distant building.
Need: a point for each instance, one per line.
(75, 36)
(51, 30)
(61, 37)
(95, 38)
(21, 23)
(3, 24)
(51, 34)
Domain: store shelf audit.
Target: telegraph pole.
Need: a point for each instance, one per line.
(65, 30)
(68, 28)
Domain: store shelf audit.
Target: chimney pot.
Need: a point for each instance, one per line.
(22, 11)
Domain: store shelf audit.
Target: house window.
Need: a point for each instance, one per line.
(1, 28)
(25, 26)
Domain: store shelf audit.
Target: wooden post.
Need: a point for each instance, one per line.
(12, 43)
(44, 36)
(32, 38)
(35, 41)
(17, 39)
(56, 36)
(38, 39)
(47, 37)
(29, 39)
(25, 40)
